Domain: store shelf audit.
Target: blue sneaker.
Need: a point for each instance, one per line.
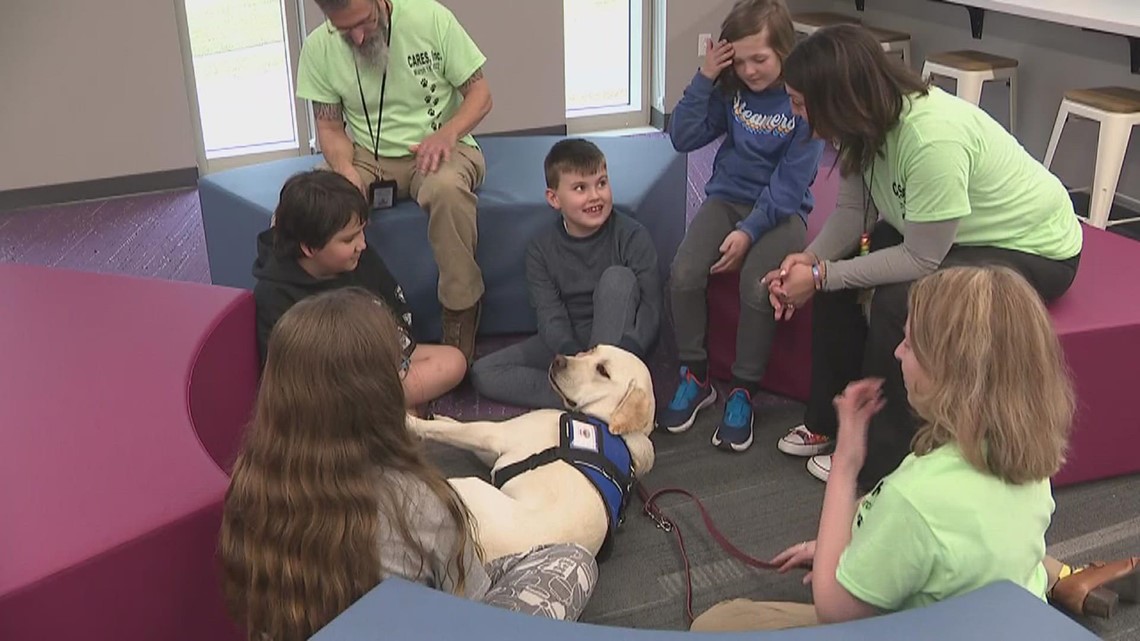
(735, 429)
(691, 397)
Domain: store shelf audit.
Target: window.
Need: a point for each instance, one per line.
(606, 63)
(239, 54)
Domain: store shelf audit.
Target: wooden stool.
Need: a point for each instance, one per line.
(808, 23)
(1117, 109)
(971, 69)
(897, 42)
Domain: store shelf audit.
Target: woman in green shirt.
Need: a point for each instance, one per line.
(928, 181)
(984, 371)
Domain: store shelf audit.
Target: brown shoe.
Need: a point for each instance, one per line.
(460, 327)
(1096, 589)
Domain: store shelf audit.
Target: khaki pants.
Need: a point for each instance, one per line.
(448, 197)
(740, 615)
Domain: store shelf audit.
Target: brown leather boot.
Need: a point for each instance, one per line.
(460, 327)
(1096, 589)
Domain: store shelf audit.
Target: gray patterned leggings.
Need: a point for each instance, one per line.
(553, 581)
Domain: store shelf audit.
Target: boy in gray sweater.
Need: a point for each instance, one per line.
(592, 278)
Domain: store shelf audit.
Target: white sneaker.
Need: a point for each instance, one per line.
(800, 441)
(820, 466)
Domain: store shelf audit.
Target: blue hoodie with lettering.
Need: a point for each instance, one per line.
(768, 158)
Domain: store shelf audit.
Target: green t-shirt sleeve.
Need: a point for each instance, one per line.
(312, 79)
(461, 56)
(891, 554)
(937, 183)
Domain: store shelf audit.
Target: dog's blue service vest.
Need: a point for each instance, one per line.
(586, 443)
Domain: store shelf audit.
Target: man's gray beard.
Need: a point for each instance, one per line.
(373, 53)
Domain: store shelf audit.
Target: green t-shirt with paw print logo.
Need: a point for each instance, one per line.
(430, 57)
(938, 527)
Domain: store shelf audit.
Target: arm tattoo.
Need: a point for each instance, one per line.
(470, 82)
(327, 111)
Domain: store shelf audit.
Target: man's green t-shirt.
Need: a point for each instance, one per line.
(948, 159)
(429, 58)
(937, 527)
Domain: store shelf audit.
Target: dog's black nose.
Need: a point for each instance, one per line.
(559, 363)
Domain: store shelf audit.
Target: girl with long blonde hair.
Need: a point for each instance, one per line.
(970, 505)
(332, 493)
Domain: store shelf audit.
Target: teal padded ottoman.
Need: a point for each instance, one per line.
(399, 609)
(648, 176)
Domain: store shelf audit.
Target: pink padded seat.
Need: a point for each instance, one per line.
(1098, 321)
(111, 501)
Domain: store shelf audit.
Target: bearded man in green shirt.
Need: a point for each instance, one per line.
(396, 87)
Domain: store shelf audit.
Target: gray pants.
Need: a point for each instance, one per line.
(689, 279)
(553, 581)
(518, 375)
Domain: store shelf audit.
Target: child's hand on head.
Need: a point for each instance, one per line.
(717, 57)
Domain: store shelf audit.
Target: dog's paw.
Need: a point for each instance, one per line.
(416, 425)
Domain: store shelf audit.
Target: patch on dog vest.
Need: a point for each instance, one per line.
(586, 443)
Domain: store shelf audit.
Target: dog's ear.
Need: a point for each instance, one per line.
(632, 413)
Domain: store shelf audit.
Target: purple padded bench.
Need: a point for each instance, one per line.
(1098, 321)
(124, 399)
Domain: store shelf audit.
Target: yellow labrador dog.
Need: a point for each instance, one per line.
(559, 476)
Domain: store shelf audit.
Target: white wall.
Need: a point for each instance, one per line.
(91, 90)
(524, 44)
(685, 20)
(91, 97)
(97, 90)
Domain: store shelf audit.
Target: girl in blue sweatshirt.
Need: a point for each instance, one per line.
(755, 212)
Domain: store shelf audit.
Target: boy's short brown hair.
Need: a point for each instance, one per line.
(313, 207)
(573, 154)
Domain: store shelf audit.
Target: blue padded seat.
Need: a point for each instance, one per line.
(398, 609)
(649, 182)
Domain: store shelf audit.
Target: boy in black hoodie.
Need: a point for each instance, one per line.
(316, 243)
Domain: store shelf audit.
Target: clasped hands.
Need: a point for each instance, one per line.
(791, 285)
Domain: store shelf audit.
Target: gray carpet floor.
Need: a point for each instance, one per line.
(763, 501)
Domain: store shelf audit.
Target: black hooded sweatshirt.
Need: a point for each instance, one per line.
(281, 282)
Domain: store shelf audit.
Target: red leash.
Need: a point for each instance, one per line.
(664, 523)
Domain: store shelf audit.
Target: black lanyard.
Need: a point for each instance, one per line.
(868, 202)
(383, 88)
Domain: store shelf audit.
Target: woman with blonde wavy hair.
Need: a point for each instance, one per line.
(970, 505)
(332, 493)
